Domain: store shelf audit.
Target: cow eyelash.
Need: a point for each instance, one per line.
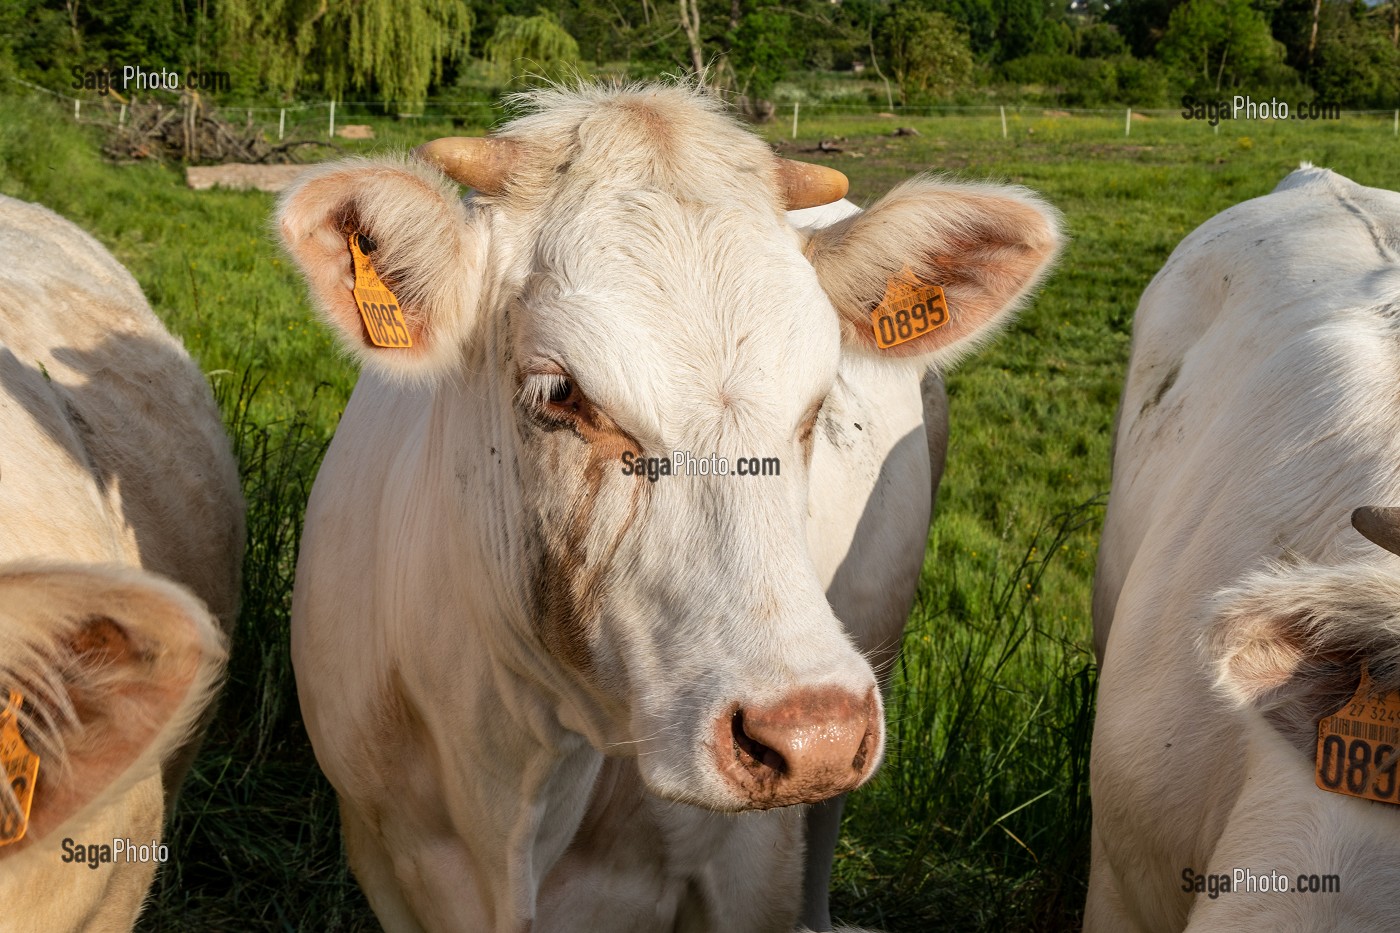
(552, 395)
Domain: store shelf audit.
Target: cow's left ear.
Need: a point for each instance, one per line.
(111, 667)
(986, 245)
(420, 244)
(1289, 642)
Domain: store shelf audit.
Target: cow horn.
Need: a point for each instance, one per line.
(1380, 524)
(806, 185)
(479, 162)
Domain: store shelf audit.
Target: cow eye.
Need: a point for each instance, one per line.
(562, 391)
(554, 396)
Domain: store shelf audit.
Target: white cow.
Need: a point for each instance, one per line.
(113, 468)
(544, 688)
(1234, 603)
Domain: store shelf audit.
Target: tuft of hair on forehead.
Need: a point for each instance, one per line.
(673, 137)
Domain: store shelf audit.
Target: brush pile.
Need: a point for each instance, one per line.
(194, 133)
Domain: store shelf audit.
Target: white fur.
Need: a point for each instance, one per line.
(100, 756)
(640, 248)
(1259, 411)
(114, 468)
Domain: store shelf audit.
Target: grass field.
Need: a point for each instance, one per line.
(979, 819)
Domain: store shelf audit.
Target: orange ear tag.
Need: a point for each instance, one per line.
(1358, 746)
(379, 309)
(910, 309)
(21, 768)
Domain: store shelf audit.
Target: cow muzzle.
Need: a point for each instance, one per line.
(811, 745)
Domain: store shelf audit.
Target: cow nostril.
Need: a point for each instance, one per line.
(751, 752)
(858, 762)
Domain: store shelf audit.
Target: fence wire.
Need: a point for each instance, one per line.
(332, 114)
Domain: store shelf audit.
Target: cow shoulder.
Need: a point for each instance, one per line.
(84, 355)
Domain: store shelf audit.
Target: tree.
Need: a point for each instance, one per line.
(1356, 65)
(1142, 22)
(690, 22)
(761, 51)
(1220, 43)
(396, 48)
(1020, 21)
(42, 40)
(926, 52)
(1098, 40)
(535, 43)
(979, 19)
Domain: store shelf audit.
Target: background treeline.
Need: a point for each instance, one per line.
(763, 52)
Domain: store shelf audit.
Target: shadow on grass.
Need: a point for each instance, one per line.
(255, 840)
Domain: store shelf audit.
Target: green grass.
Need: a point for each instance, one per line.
(979, 818)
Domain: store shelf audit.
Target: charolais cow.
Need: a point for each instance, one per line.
(602, 560)
(116, 478)
(1235, 605)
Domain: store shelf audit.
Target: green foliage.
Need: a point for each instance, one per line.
(389, 48)
(1291, 22)
(1356, 61)
(402, 53)
(1219, 44)
(980, 19)
(1091, 39)
(260, 49)
(926, 53)
(1056, 37)
(1098, 40)
(762, 51)
(43, 40)
(1091, 82)
(532, 45)
(1142, 23)
(1020, 22)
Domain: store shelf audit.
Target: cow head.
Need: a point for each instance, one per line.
(625, 285)
(1290, 642)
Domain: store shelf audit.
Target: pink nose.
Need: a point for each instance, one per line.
(812, 744)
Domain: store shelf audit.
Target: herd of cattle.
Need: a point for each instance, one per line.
(551, 698)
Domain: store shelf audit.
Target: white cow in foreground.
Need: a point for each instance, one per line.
(1234, 602)
(546, 690)
(114, 468)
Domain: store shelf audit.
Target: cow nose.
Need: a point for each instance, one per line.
(812, 744)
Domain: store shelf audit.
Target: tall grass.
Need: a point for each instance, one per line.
(256, 837)
(979, 818)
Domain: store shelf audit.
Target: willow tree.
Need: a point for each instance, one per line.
(257, 45)
(536, 43)
(396, 48)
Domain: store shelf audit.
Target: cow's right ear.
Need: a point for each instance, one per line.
(986, 246)
(1289, 642)
(420, 241)
(113, 667)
